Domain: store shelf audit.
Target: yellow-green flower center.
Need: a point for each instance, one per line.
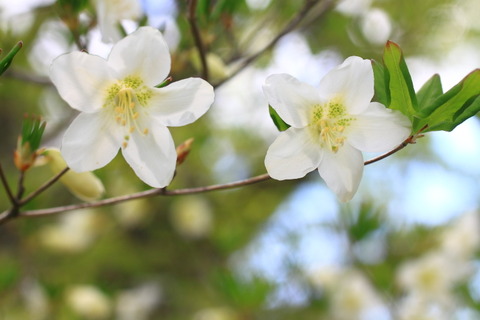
(127, 99)
(328, 124)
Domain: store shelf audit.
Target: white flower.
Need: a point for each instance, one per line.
(89, 302)
(330, 126)
(462, 239)
(121, 108)
(353, 297)
(110, 14)
(74, 232)
(432, 276)
(192, 217)
(138, 303)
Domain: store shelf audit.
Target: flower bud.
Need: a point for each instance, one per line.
(83, 185)
(28, 142)
(183, 150)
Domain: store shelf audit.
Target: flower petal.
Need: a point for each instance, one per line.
(84, 185)
(80, 79)
(292, 99)
(292, 155)
(181, 102)
(91, 141)
(143, 53)
(342, 171)
(378, 129)
(353, 81)
(152, 156)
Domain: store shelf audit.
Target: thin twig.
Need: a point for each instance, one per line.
(410, 140)
(7, 187)
(292, 25)
(161, 192)
(385, 155)
(20, 187)
(192, 6)
(43, 187)
(144, 194)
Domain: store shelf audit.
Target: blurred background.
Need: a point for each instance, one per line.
(406, 246)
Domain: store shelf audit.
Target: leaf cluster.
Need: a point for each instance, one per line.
(429, 109)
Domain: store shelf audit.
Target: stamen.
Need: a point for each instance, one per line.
(328, 124)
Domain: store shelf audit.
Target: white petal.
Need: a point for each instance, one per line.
(378, 129)
(152, 156)
(143, 53)
(91, 141)
(80, 79)
(342, 171)
(292, 155)
(292, 99)
(352, 81)
(181, 102)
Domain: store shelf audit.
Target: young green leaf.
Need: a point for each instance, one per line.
(402, 94)
(455, 106)
(7, 60)
(429, 92)
(382, 92)
(279, 123)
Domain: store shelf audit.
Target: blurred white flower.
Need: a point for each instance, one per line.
(353, 296)
(353, 7)
(462, 238)
(35, 298)
(74, 232)
(122, 109)
(331, 126)
(326, 277)
(133, 213)
(138, 303)
(432, 275)
(220, 313)
(192, 217)
(415, 307)
(110, 14)
(89, 302)
(376, 26)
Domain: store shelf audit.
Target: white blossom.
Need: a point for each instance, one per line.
(432, 276)
(89, 302)
(121, 107)
(330, 126)
(462, 239)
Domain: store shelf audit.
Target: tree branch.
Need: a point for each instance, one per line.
(143, 194)
(158, 192)
(43, 187)
(292, 25)
(192, 6)
(7, 187)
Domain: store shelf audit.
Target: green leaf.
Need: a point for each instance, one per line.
(382, 92)
(7, 60)
(279, 123)
(402, 94)
(429, 92)
(455, 106)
